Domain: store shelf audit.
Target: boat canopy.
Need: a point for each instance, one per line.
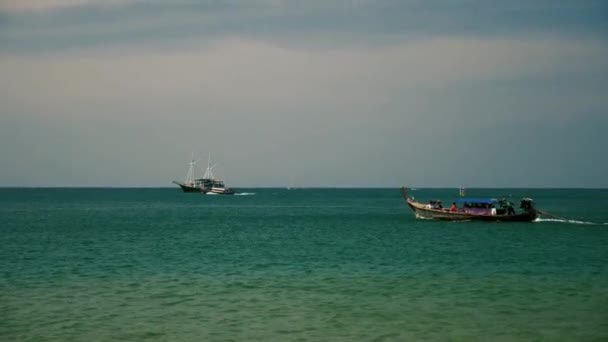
(477, 200)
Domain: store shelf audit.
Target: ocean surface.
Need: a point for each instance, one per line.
(297, 265)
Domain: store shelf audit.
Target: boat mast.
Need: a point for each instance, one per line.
(190, 175)
(209, 172)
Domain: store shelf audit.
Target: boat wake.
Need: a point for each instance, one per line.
(568, 221)
(244, 193)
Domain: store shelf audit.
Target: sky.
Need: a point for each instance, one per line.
(328, 93)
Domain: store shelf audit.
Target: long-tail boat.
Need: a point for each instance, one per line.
(479, 209)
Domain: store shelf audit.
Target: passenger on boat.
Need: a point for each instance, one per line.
(454, 207)
(439, 205)
(510, 210)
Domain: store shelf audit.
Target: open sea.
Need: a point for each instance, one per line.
(297, 265)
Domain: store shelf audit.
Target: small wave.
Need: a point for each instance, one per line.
(244, 193)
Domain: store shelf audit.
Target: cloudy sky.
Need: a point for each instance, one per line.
(307, 93)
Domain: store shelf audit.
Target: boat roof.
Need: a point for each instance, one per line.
(477, 200)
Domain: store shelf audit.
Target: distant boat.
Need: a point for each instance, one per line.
(290, 186)
(207, 184)
(191, 184)
(218, 188)
(480, 209)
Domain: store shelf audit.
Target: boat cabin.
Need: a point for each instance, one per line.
(477, 206)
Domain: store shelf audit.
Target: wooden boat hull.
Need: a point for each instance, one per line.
(436, 214)
(422, 212)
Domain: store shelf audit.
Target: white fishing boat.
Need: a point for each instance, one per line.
(191, 183)
(208, 184)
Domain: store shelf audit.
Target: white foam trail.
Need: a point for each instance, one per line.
(244, 193)
(564, 221)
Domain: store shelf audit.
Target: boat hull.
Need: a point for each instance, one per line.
(215, 191)
(438, 214)
(422, 211)
(188, 188)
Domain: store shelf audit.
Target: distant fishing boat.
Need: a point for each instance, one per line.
(291, 185)
(480, 209)
(191, 184)
(218, 188)
(207, 184)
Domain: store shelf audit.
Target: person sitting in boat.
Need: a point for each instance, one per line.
(439, 205)
(492, 209)
(510, 210)
(453, 207)
(488, 209)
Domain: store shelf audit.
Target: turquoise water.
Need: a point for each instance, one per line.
(299, 265)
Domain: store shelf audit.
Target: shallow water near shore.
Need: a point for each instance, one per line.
(297, 265)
